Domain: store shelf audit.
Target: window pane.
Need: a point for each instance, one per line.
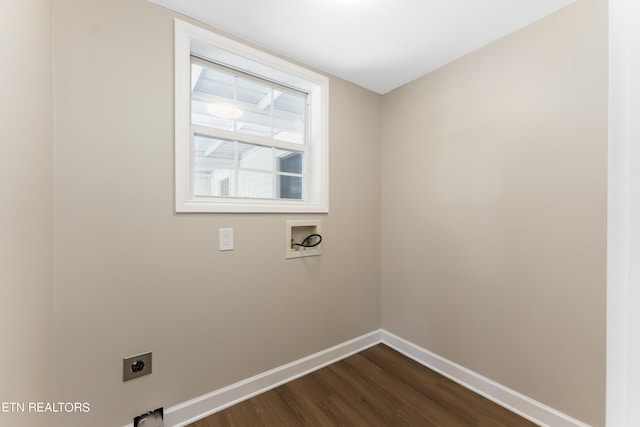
(289, 161)
(289, 118)
(224, 186)
(228, 100)
(254, 99)
(201, 183)
(255, 156)
(211, 84)
(254, 122)
(200, 115)
(291, 103)
(222, 182)
(255, 184)
(212, 158)
(212, 88)
(254, 93)
(214, 182)
(209, 152)
(228, 168)
(289, 187)
(288, 130)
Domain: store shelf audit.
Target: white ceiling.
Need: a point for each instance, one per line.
(377, 44)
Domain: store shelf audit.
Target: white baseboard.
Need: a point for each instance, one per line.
(195, 409)
(200, 407)
(522, 405)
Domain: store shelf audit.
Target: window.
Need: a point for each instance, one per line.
(251, 129)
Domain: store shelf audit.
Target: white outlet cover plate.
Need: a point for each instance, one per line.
(226, 239)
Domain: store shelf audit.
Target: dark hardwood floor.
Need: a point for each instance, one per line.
(376, 387)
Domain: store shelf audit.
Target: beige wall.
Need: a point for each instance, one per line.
(494, 199)
(26, 214)
(131, 275)
(494, 211)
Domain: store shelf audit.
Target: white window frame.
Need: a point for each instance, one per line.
(193, 40)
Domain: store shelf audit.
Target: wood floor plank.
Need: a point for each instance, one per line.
(471, 407)
(425, 382)
(377, 387)
(239, 415)
(346, 391)
(274, 411)
(406, 396)
(242, 415)
(373, 397)
(310, 399)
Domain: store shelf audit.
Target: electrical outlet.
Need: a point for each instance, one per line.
(226, 239)
(136, 366)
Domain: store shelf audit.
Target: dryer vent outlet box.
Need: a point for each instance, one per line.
(150, 419)
(296, 232)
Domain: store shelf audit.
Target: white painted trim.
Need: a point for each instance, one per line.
(520, 404)
(195, 409)
(623, 216)
(200, 407)
(188, 39)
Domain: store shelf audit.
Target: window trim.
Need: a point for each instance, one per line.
(193, 40)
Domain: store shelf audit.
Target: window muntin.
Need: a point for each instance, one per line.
(256, 120)
(264, 147)
(264, 108)
(231, 168)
